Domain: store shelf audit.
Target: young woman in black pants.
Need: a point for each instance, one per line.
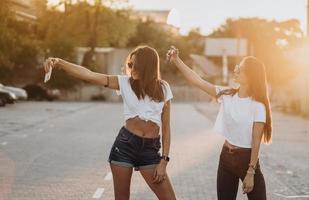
(244, 119)
(147, 99)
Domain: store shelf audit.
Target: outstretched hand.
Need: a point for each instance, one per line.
(172, 54)
(50, 63)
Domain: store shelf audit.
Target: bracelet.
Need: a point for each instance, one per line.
(107, 81)
(165, 158)
(252, 166)
(56, 62)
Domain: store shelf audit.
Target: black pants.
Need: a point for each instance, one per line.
(233, 165)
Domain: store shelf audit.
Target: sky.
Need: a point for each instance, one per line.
(210, 14)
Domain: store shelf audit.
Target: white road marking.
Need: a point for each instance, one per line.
(108, 176)
(98, 193)
(292, 196)
(289, 172)
(4, 143)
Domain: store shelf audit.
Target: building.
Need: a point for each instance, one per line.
(108, 61)
(24, 9)
(307, 18)
(205, 67)
(158, 16)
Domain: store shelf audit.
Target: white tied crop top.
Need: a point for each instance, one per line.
(146, 108)
(236, 118)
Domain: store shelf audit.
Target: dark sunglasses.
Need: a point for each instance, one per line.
(130, 65)
(237, 68)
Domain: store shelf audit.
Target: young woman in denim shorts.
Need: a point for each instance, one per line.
(146, 99)
(244, 119)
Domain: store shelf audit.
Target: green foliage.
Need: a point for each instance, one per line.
(56, 33)
(82, 24)
(18, 44)
(161, 37)
(152, 34)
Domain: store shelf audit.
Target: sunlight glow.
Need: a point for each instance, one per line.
(174, 18)
(53, 2)
(213, 13)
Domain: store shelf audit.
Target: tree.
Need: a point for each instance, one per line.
(56, 33)
(18, 52)
(268, 41)
(159, 37)
(82, 25)
(6, 40)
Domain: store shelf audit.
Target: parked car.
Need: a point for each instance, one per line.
(39, 93)
(2, 102)
(21, 94)
(7, 97)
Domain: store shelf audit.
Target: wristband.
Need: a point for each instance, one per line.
(166, 158)
(107, 81)
(252, 166)
(250, 172)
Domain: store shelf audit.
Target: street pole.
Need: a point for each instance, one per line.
(307, 18)
(225, 70)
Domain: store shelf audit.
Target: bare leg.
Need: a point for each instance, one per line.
(163, 190)
(122, 180)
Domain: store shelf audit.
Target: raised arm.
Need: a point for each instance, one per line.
(83, 73)
(189, 74)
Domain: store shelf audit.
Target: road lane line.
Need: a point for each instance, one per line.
(292, 196)
(108, 176)
(98, 193)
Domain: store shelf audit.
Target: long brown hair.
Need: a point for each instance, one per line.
(257, 83)
(146, 64)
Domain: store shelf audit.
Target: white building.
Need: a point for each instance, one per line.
(24, 9)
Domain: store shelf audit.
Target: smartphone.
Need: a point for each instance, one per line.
(48, 75)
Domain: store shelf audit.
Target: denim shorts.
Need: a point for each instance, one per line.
(130, 150)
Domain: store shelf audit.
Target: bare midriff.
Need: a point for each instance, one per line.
(142, 128)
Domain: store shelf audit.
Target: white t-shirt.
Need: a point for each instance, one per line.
(146, 108)
(236, 118)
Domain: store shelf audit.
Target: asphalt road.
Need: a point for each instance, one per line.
(59, 150)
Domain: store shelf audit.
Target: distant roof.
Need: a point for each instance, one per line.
(24, 10)
(207, 66)
(153, 11)
(159, 16)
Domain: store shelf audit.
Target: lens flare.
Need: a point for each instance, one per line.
(174, 18)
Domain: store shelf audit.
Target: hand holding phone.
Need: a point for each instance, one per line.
(48, 75)
(48, 67)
